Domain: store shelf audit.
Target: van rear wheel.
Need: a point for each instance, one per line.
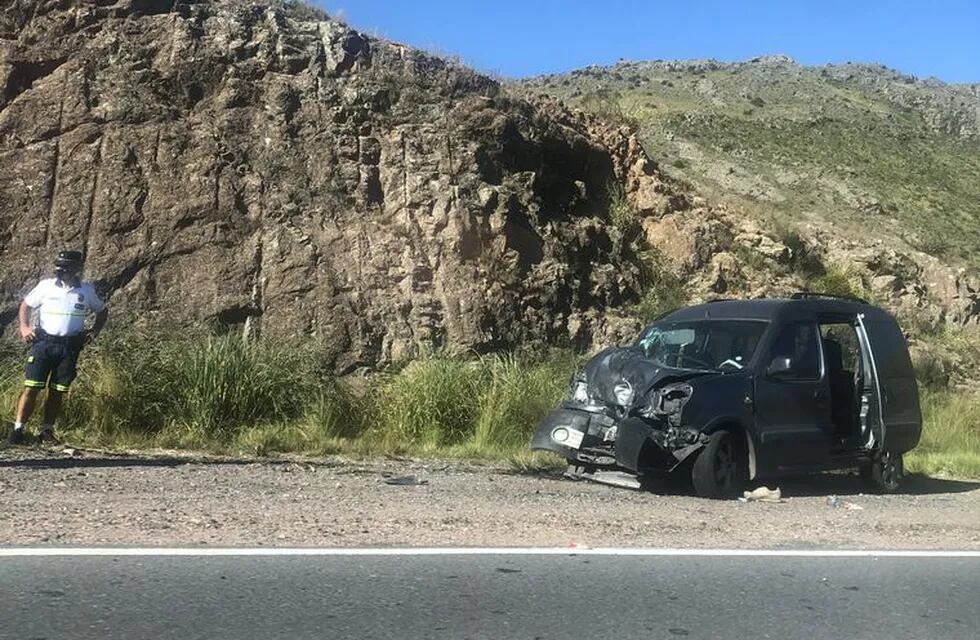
(718, 471)
(885, 473)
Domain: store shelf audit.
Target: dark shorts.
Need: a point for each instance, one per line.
(52, 363)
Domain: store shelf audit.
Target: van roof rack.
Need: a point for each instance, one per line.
(803, 295)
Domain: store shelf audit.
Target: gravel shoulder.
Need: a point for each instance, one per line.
(92, 498)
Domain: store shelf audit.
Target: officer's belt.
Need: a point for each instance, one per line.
(75, 339)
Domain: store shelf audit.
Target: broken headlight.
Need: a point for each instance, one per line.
(623, 393)
(668, 402)
(579, 390)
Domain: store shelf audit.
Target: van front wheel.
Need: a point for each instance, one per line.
(718, 471)
(885, 473)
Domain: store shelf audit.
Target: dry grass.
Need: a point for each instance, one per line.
(221, 394)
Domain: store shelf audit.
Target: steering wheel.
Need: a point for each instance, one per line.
(734, 363)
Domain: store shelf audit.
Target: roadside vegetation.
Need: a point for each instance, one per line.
(950, 435)
(223, 394)
(945, 359)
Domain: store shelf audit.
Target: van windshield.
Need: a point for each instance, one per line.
(705, 345)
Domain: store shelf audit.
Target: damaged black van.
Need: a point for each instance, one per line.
(738, 390)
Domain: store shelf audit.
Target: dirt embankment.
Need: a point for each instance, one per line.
(94, 499)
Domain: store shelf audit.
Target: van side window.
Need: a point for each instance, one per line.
(841, 348)
(798, 341)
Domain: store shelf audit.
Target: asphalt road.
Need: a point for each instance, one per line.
(489, 596)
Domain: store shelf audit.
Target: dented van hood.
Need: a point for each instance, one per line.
(615, 365)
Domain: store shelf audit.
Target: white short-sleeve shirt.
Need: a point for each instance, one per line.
(63, 309)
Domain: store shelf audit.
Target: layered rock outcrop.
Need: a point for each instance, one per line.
(262, 166)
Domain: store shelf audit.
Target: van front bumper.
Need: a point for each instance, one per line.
(584, 437)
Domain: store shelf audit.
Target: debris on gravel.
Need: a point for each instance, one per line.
(95, 498)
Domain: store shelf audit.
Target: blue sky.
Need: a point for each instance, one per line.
(516, 38)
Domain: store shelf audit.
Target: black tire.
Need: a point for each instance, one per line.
(885, 474)
(719, 471)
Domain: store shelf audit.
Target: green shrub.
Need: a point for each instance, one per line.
(515, 397)
(950, 435)
(932, 371)
(750, 258)
(947, 355)
(838, 282)
(805, 261)
(622, 213)
(663, 290)
(300, 10)
(228, 382)
(432, 402)
(962, 341)
(931, 240)
(608, 105)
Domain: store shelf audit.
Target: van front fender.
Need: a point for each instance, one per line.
(638, 451)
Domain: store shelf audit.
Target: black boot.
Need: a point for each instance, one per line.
(47, 437)
(17, 437)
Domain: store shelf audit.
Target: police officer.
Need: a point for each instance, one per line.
(56, 334)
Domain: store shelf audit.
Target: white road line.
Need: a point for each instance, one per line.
(14, 552)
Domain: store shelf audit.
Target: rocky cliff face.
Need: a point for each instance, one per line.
(262, 166)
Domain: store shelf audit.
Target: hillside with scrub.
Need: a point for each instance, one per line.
(857, 146)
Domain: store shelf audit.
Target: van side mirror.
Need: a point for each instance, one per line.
(779, 367)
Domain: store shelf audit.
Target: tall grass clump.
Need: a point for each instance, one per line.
(431, 403)
(486, 407)
(611, 107)
(226, 382)
(663, 290)
(950, 442)
(123, 392)
(514, 398)
(945, 356)
(11, 376)
(336, 411)
(622, 213)
(804, 258)
(333, 422)
(224, 393)
(190, 389)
